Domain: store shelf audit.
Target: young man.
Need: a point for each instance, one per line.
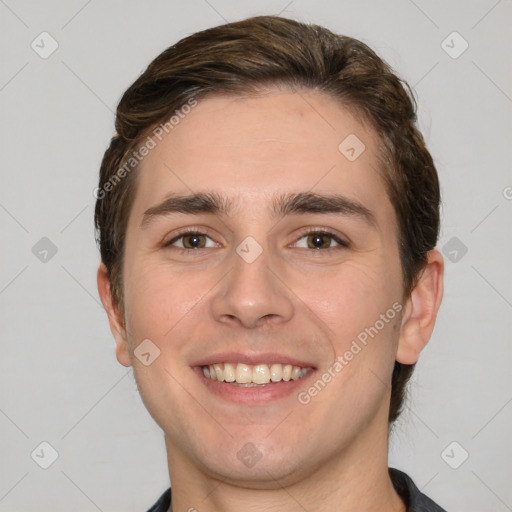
(267, 217)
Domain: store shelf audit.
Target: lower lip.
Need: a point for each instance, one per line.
(255, 394)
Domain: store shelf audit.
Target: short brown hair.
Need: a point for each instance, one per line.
(243, 57)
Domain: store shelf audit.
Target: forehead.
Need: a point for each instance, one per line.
(251, 148)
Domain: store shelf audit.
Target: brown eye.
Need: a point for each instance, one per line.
(319, 241)
(191, 241)
(194, 241)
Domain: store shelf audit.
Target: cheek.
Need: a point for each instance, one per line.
(349, 298)
(358, 304)
(161, 302)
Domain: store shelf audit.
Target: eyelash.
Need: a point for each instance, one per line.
(311, 231)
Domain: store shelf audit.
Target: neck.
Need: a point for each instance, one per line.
(355, 481)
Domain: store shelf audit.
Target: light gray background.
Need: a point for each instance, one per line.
(60, 381)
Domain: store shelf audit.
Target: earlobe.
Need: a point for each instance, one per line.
(421, 309)
(115, 317)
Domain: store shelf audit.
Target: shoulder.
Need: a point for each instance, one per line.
(163, 503)
(414, 499)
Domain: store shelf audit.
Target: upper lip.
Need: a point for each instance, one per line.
(252, 359)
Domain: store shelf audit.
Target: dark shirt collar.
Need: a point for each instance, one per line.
(414, 500)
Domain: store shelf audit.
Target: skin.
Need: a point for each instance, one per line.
(309, 303)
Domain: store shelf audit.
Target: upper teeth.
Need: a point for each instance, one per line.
(256, 374)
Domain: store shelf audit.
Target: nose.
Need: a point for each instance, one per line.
(252, 294)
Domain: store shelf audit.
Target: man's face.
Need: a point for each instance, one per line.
(263, 281)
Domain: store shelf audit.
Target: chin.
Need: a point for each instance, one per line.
(266, 466)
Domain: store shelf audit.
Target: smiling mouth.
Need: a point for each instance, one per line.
(247, 375)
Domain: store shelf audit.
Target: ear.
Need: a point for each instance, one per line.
(115, 317)
(421, 310)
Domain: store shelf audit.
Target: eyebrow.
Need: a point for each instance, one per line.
(282, 204)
